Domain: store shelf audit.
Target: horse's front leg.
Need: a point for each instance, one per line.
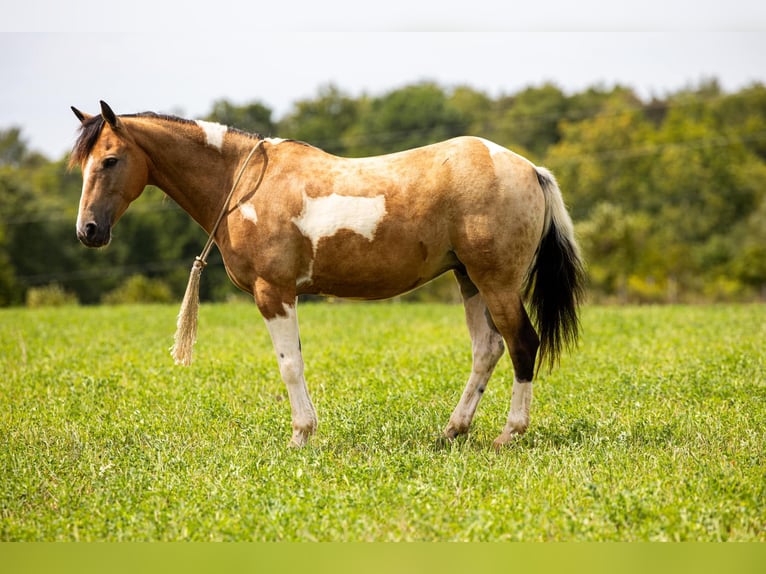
(282, 322)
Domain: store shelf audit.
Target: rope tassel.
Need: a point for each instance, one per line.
(186, 328)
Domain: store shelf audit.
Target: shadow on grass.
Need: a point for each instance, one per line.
(585, 432)
(579, 433)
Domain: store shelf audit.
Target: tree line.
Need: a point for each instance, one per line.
(668, 194)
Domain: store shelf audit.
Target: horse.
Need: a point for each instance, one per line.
(303, 221)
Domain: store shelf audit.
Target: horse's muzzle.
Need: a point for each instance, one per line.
(92, 234)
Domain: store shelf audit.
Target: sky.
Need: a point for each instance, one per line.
(167, 57)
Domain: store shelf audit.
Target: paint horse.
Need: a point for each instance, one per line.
(303, 221)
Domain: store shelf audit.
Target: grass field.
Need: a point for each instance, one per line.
(654, 429)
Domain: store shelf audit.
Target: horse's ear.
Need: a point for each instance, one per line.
(109, 115)
(80, 115)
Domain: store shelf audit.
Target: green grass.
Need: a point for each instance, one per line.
(654, 429)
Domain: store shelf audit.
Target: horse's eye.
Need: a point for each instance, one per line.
(110, 162)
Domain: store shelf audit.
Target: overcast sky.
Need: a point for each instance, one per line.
(164, 57)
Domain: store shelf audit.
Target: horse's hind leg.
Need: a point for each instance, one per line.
(487, 348)
(513, 322)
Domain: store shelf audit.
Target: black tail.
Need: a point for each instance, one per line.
(555, 281)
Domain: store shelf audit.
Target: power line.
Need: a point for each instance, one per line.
(71, 214)
(113, 270)
(652, 149)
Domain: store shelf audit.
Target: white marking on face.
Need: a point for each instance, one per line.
(325, 216)
(248, 212)
(213, 133)
(88, 169)
(86, 173)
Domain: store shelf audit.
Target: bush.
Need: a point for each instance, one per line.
(53, 295)
(647, 290)
(139, 289)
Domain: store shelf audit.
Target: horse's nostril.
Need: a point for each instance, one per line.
(90, 230)
(92, 234)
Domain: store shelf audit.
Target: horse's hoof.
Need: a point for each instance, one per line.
(299, 439)
(506, 439)
(443, 442)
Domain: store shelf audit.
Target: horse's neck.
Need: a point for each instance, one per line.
(193, 174)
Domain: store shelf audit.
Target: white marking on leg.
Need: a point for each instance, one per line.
(518, 417)
(487, 347)
(521, 402)
(286, 339)
(325, 216)
(248, 212)
(213, 133)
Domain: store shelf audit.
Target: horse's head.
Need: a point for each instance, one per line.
(114, 171)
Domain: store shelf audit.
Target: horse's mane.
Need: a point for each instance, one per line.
(89, 132)
(91, 129)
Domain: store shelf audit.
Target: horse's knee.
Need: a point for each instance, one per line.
(291, 370)
(488, 352)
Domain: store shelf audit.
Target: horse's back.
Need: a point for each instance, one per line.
(461, 201)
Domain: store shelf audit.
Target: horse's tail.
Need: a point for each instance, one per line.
(555, 281)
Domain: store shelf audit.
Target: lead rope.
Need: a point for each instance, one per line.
(186, 328)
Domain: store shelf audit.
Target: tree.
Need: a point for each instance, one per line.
(604, 157)
(9, 285)
(476, 108)
(532, 119)
(254, 117)
(743, 114)
(616, 244)
(323, 121)
(412, 116)
(13, 149)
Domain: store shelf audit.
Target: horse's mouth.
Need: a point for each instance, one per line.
(93, 235)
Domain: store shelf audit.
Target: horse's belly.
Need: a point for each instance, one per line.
(347, 265)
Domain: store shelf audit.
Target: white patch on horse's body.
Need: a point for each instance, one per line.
(325, 216)
(287, 346)
(248, 212)
(493, 147)
(308, 277)
(274, 141)
(496, 149)
(213, 133)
